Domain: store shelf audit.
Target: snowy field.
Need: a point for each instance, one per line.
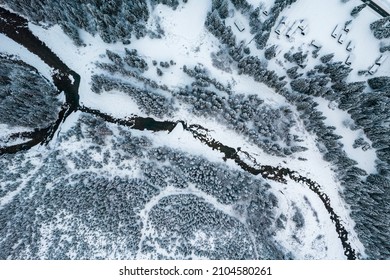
(187, 42)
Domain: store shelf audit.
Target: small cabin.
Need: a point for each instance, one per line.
(240, 26)
(279, 29)
(282, 25)
(347, 26)
(292, 29)
(316, 44)
(341, 38)
(350, 59)
(350, 46)
(381, 59)
(305, 31)
(335, 32)
(366, 147)
(302, 24)
(373, 69)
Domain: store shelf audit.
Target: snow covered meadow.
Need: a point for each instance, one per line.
(252, 87)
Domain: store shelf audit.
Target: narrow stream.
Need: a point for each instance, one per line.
(279, 174)
(16, 28)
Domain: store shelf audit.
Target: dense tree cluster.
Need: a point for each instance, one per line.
(134, 60)
(326, 58)
(229, 188)
(267, 127)
(77, 211)
(88, 212)
(222, 6)
(381, 83)
(199, 229)
(147, 93)
(254, 67)
(369, 112)
(151, 103)
(12, 179)
(298, 218)
(242, 5)
(270, 52)
(380, 28)
(261, 215)
(298, 58)
(112, 20)
(170, 3)
(222, 60)
(292, 73)
(226, 186)
(356, 10)
(131, 58)
(26, 98)
(337, 71)
(132, 73)
(315, 86)
(217, 27)
(203, 79)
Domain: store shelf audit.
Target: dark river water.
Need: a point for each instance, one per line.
(16, 28)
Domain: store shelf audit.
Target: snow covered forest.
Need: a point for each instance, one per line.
(201, 129)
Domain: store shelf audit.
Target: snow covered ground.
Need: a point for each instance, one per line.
(187, 42)
(340, 119)
(322, 18)
(8, 46)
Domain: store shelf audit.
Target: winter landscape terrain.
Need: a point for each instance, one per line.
(195, 129)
